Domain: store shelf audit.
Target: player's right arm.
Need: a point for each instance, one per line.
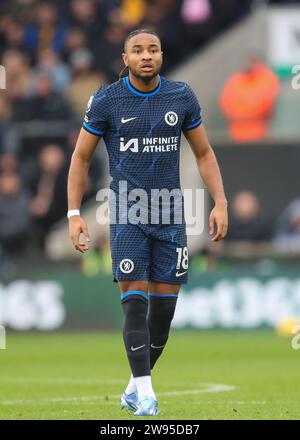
(77, 180)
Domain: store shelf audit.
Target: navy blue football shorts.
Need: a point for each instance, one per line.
(149, 252)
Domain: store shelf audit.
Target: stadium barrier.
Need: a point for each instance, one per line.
(59, 297)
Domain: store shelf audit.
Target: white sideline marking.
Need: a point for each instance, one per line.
(207, 388)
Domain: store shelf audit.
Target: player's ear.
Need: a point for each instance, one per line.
(125, 58)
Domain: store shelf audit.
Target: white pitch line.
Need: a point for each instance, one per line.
(231, 402)
(211, 388)
(208, 388)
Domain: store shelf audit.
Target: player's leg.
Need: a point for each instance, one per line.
(139, 394)
(169, 268)
(127, 286)
(134, 300)
(131, 261)
(162, 305)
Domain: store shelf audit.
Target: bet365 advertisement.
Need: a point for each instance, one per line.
(63, 297)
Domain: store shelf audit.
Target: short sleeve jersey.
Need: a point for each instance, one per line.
(142, 130)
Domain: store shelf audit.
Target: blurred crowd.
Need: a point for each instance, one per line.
(248, 223)
(56, 54)
(253, 240)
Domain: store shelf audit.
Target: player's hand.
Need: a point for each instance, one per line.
(77, 226)
(219, 217)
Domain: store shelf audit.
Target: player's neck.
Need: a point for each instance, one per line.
(141, 85)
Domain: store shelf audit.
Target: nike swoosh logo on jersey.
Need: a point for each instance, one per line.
(157, 346)
(178, 274)
(136, 348)
(127, 120)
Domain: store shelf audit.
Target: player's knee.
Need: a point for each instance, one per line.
(128, 286)
(162, 309)
(161, 313)
(135, 309)
(134, 303)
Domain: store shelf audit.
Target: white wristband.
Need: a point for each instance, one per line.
(73, 212)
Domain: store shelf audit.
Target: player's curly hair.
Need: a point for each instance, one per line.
(125, 71)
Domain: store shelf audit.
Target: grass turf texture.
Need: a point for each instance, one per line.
(82, 375)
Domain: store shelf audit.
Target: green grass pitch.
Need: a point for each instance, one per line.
(201, 375)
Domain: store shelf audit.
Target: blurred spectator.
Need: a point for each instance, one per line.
(14, 212)
(5, 108)
(198, 20)
(248, 99)
(287, 234)
(76, 39)
(46, 32)
(195, 11)
(85, 80)
(9, 139)
(245, 220)
(9, 163)
(59, 72)
(45, 104)
(49, 189)
(17, 73)
(132, 11)
(13, 35)
(109, 61)
(84, 16)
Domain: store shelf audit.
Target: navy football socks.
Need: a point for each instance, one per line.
(161, 312)
(136, 331)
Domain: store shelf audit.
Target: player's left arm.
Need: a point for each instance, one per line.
(211, 175)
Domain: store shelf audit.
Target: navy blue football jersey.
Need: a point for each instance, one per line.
(142, 130)
(142, 135)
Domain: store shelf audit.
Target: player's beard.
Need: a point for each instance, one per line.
(147, 77)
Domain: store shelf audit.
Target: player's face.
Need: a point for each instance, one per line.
(143, 56)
